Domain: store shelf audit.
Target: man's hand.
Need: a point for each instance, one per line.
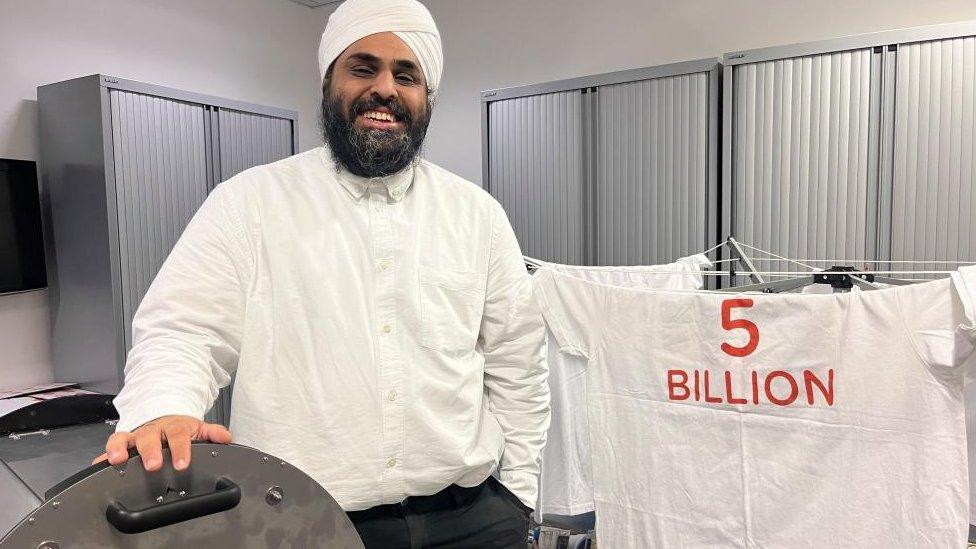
(176, 431)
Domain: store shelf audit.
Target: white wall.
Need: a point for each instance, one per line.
(500, 43)
(259, 51)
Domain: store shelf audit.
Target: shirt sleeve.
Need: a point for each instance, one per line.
(943, 323)
(513, 342)
(574, 309)
(187, 331)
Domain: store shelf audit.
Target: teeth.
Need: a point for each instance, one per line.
(379, 116)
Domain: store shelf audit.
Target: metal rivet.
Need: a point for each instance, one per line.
(213, 454)
(30, 520)
(282, 464)
(121, 472)
(274, 495)
(265, 459)
(182, 493)
(55, 504)
(159, 499)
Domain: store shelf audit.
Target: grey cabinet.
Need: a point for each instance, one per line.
(854, 151)
(124, 166)
(612, 169)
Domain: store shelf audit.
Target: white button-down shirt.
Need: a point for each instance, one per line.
(382, 331)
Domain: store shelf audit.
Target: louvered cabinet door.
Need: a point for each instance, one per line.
(803, 184)
(247, 139)
(652, 170)
(160, 181)
(933, 204)
(535, 171)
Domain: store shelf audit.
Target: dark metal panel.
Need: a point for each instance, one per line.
(590, 173)
(79, 236)
(886, 159)
(232, 496)
(713, 146)
(19, 500)
(728, 152)
(485, 175)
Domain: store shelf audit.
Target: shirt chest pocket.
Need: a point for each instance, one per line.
(451, 303)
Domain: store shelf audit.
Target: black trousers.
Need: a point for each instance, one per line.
(483, 516)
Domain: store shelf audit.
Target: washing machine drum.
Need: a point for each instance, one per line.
(230, 496)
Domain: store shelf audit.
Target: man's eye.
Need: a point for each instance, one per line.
(406, 78)
(362, 71)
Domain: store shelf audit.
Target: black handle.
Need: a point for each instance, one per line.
(225, 497)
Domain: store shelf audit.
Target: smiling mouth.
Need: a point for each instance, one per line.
(379, 116)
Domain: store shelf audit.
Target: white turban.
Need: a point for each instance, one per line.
(408, 19)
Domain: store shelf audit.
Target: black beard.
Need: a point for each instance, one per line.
(371, 152)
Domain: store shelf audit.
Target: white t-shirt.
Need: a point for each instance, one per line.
(764, 420)
(565, 487)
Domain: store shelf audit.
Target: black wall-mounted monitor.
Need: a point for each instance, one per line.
(21, 241)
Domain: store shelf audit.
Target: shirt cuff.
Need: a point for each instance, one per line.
(149, 410)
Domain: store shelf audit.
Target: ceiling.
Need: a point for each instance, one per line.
(316, 3)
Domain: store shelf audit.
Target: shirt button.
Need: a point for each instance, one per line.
(392, 396)
(387, 329)
(384, 265)
(392, 463)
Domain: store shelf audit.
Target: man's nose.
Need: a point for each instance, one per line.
(384, 85)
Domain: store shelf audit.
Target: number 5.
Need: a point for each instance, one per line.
(739, 324)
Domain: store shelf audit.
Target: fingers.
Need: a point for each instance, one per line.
(149, 443)
(178, 438)
(117, 447)
(214, 432)
(176, 431)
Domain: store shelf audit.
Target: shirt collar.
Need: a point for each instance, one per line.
(396, 185)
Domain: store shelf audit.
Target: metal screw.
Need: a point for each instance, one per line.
(274, 495)
(265, 459)
(55, 504)
(213, 454)
(159, 499)
(182, 493)
(30, 520)
(121, 472)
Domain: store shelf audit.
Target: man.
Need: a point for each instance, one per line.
(375, 308)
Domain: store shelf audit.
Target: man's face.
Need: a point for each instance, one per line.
(375, 107)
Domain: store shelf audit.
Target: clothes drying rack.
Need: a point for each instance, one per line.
(839, 276)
